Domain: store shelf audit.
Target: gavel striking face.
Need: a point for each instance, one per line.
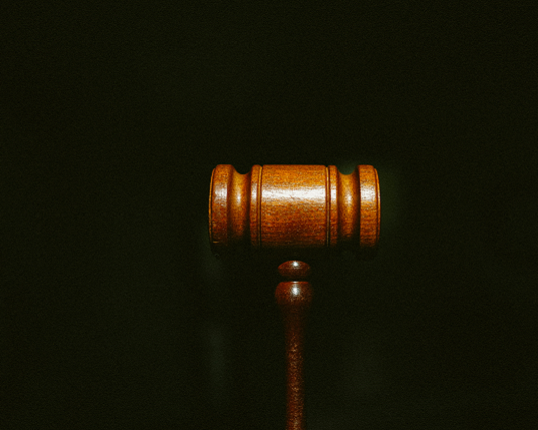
(294, 212)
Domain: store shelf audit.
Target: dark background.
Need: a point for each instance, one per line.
(115, 315)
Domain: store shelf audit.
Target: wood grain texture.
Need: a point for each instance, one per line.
(295, 207)
(294, 298)
(294, 210)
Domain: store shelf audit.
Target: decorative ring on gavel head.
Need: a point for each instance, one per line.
(294, 208)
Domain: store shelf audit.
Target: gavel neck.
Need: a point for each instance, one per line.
(294, 297)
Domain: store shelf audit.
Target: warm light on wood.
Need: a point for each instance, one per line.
(294, 210)
(294, 207)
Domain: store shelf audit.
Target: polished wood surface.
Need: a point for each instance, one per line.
(294, 270)
(294, 211)
(294, 297)
(295, 208)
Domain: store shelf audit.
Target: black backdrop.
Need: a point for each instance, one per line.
(114, 313)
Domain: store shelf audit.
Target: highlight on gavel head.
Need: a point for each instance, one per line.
(294, 209)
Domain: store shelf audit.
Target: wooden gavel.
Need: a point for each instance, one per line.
(294, 212)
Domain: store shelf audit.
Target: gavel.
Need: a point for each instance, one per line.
(293, 213)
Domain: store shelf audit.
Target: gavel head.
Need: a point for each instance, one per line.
(294, 210)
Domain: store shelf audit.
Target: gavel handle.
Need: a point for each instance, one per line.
(294, 298)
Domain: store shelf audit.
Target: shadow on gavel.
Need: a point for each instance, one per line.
(286, 214)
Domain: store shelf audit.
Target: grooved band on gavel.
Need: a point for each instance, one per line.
(294, 207)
